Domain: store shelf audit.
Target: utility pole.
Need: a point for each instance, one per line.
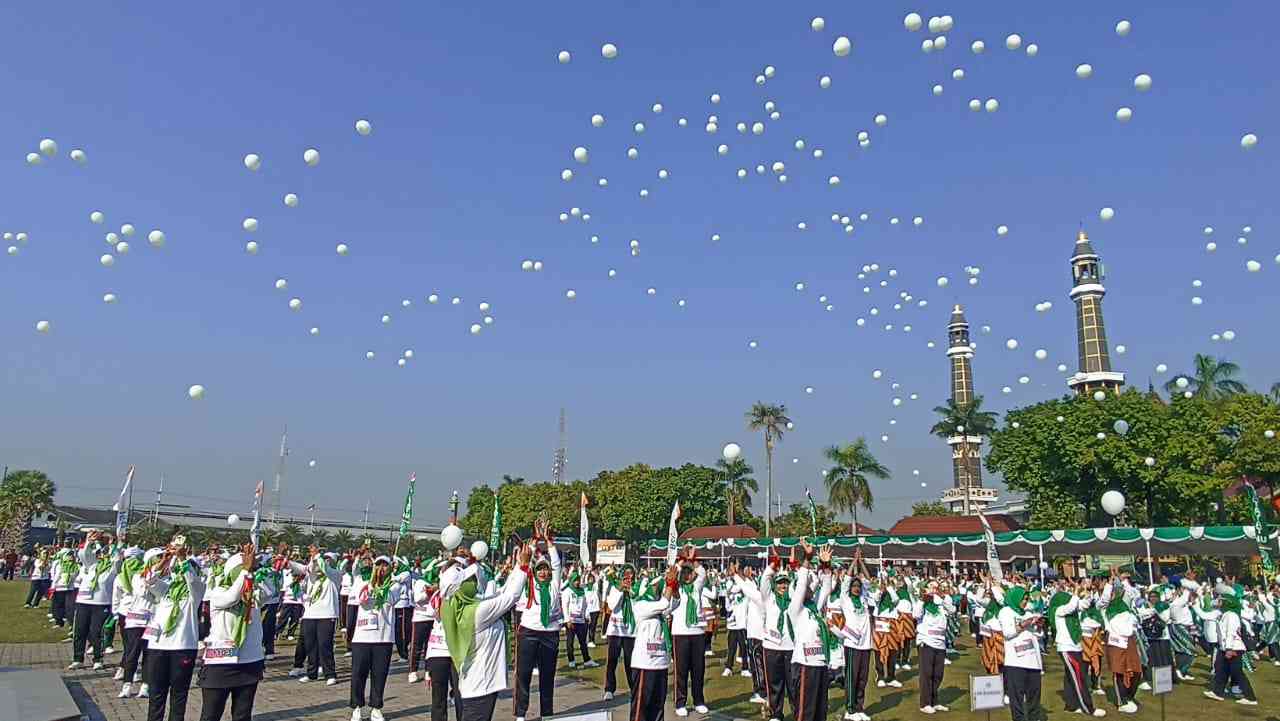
(275, 491)
(366, 518)
(155, 514)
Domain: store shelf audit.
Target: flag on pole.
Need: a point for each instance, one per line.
(993, 557)
(813, 511)
(495, 529)
(257, 515)
(407, 516)
(673, 536)
(584, 532)
(311, 507)
(1260, 529)
(122, 505)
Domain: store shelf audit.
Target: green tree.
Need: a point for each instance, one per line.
(1211, 379)
(964, 421)
(773, 421)
(343, 540)
(509, 480)
(23, 494)
(849, 478)
(796, 522)
(739, 485)
(321, 538)
(291, 534)
(479, 516)
(931, 508)
(634, 503)
(1275, 392)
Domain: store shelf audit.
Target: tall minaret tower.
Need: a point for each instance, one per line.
(1087, 275)
(966, 495)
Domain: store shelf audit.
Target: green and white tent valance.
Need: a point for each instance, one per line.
(1164, 541)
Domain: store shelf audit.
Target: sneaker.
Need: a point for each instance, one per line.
(305, 679)
(290, 638)
(850, 716)
(108, 651)
(946, 662)
(708, 653)
(756, 698)
(727, 672)
(1246, 702)
(608, 695)
(119, 675)
(98, 666)
(413, 677)
(940, 707)
(519, 718)
(1214, 696)
(1099, 713)
(144, 691)
(702, 708)
(744, 673)
(295, 672)
(270, 657)
(375, 714)
(591, 644)
(682, 712)
(1144, 686)
(331, 682)
(535, 673)
(573, 664)
(1099, 692)
(125, 691)
(905, 667)
(347, 654)
(926, 709)
(355, 714)
(74, 665)
(896, 684)
(1130, 707)
(1006, 700)
(591, 664)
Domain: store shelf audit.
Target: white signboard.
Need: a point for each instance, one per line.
(1161, 679)
(986, 693)
(610, 552)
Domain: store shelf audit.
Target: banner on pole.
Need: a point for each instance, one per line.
(584, 532)
(673, 536)
(813, 511)
(122, 506)
(257, 515)
(495, 529)
(993, 556)
(407, 516)
(1260, 529)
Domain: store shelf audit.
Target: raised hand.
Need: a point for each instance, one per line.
(824, 555)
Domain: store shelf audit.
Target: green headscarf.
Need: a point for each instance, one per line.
(178, 591)
(1229, 602)
(690, 604)
(102, 566)
(784, 602)
(1013, 598)
(993, 608)
(458, 614)
(886, 603)
(128, 569)
(1060, 599)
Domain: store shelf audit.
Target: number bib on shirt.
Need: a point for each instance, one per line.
(1024, 647)
(82, 596)
(937, 632)
(151, 633)
(617, 625)
(1118, 641)
(856, 634)
(656, 651)
(882, 625)
(812, 651)
(368, 623)
(436, 641)
(774, 635)
(221, 652)
(142, 617)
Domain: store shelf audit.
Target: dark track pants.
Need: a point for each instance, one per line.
(777, 681)
(811, 684)
(649, 694)
(1022, 686)
(59, 602)
(1232, 669)
(756, 656)
(886, 674)
(369, 662)
(541, 649)
(317, 634)
(479, 708)
(349, 621)
(133, 648)
(691, 667)
(931, 667)
(737, 642)
(269, 613)
(288, 622)
(404, 631)
(36, 592)
(418, 646)
(444, 685)
(577, 631)
(1075, 684)
(857, 671)
(214, 701)
(168, 681)
(619, 646)
(88, 627)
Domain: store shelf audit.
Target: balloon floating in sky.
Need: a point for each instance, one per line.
(1084, 70)
(1121, 426)
(195, 392)
(1142, 83)
(841, 46)
(609, 51)
(79, 156)
(107, 260)
(1106, 214)
(731, 451)
(252, 161)
(363, 127)
(291, 200)
(912, 22)
(1124, 115)
(42, 326)
(311, 157)
(1248, 141)
(1122, 29)
(564, 57)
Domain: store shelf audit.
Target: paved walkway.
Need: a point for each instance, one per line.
(280, 697)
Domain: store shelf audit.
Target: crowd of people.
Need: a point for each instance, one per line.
(808, 629)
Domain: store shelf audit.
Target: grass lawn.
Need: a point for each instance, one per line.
(729, 695)
(25, 625)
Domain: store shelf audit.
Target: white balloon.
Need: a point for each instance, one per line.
(195, 392)
(1106, 214)
(597, 121)
(233, 519)
(475, 328)
(364, 127)
(122, 248)
(249, 224)
(937, 89)
(975, 105)
(580, 154)
(1142, 83)
(571, 294)
(156, 238)
(342, 249)
(1099, 396)
(1084, 70)
(1113, 502)
(1013, 42)
(79, 156)
(1182, 382)
(992, 105)
(1121, 427)
(291, 200)
(1041, 354)
(97, 217)
(1248, 141)
(49, 147)
(942, 281)
(1149, 461)
(841, 46)
(1011, 344)
(1253, 266)
(281, 284)
(1123, 27)
(1120, 350)
(311, 157)
(977, 47)
(42, 326)
(731, 451)
(817, 24)
(451, 536)
(1033, 50)
(107, 260)
(957, 74)
(251, 247)
(1124, 115)
(609, 51)
(912, 22)
(1161, 368)
(881, 119)
(564, 57)
(479, 550)
(252, 161)
(295, 304)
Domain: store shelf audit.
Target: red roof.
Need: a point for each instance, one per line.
(951, 525)
(716, 533)
(865, 530)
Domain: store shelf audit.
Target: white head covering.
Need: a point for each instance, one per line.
(451, 579)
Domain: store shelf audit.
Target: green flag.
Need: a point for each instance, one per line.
(1259, 529)
(495, 531)
(813, 512)
(407, 516)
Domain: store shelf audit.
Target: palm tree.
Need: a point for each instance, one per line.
(1275, 392)
(320, 537)
(739, 485)
(291, 534)
(343, 540)
(1211, 380)
(23, 494)
(849, 479)
(510, 480)
(964, 421)
(773, 420)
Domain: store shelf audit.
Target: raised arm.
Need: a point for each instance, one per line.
(491, 610)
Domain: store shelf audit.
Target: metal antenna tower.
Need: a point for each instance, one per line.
(275, 490)
(560, 460)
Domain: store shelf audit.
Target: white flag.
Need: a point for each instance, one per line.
(254, 530)
(993, 557)
(122, 505)
(673, 536)
(584, 533)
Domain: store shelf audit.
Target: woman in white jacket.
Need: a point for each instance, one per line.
(176, 581)
(374, 633)
(651, 655)
(234, 655)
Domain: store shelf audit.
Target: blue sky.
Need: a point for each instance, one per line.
(474, 119)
